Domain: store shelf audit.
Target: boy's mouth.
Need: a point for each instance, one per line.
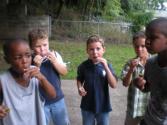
(95, 60)
(43, 54)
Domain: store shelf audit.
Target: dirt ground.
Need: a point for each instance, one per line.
(118, 101)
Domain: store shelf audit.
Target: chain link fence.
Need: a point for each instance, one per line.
(63, 30)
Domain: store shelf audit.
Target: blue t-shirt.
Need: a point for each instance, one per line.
(95, 82)
(53, 77)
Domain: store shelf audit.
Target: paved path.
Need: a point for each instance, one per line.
(118, 101)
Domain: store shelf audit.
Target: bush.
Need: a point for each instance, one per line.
(140, 19)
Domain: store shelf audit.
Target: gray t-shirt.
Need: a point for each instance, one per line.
(156, 76)
(25, 103)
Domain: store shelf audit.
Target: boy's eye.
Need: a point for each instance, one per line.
(20, 57)
(17, 57)
(45, 45)
(98, 49)
(143, 46)
(147, 41)
(28, 55)
(153, 37)
(37, 46)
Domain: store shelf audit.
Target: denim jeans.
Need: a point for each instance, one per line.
(89, 118)
(57, 112)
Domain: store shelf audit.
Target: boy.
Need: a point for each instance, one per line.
(93, 77)
(19, 87)
(136, 99)
(52, 66)
(156, 73)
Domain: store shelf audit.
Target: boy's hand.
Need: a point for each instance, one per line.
(82, 91)
(134, 63)
(139, 82)
(102, 60)
(3, 111)
(38, 60)
(51, 56)
(33, 72)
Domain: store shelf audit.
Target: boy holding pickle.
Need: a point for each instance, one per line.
(53, 67)
(136, 99)
(94, 76)
(22, 103)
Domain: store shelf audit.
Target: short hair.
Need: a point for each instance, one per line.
(7, 44)
(137, 35)
(95, 38)
(159, 23)
(36, 34)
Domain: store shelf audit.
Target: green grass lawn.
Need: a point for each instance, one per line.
(74, 52)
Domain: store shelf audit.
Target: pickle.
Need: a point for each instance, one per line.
(7, 110)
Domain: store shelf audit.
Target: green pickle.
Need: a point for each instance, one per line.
(7, 110)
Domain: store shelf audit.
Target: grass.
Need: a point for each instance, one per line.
(75, 53)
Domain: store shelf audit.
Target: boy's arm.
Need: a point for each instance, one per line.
(126, 74)
(129, 69)
(146, 87)
(0, 91)
(59, 66)
(47, 87)
(127, 78)
(110, 77)
(81, 81)
(79, 84)
(43, 82)
(81, 89)
(3, 109)
(142, 84)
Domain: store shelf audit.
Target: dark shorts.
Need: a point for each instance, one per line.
(143, 122)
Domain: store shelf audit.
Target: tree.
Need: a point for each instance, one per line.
(138, 12)
(91, 9)
(112, 10)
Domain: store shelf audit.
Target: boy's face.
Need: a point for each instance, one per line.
(140, 48)
(19, 57)
(41, 47)
(156, 42)
(95, 50)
